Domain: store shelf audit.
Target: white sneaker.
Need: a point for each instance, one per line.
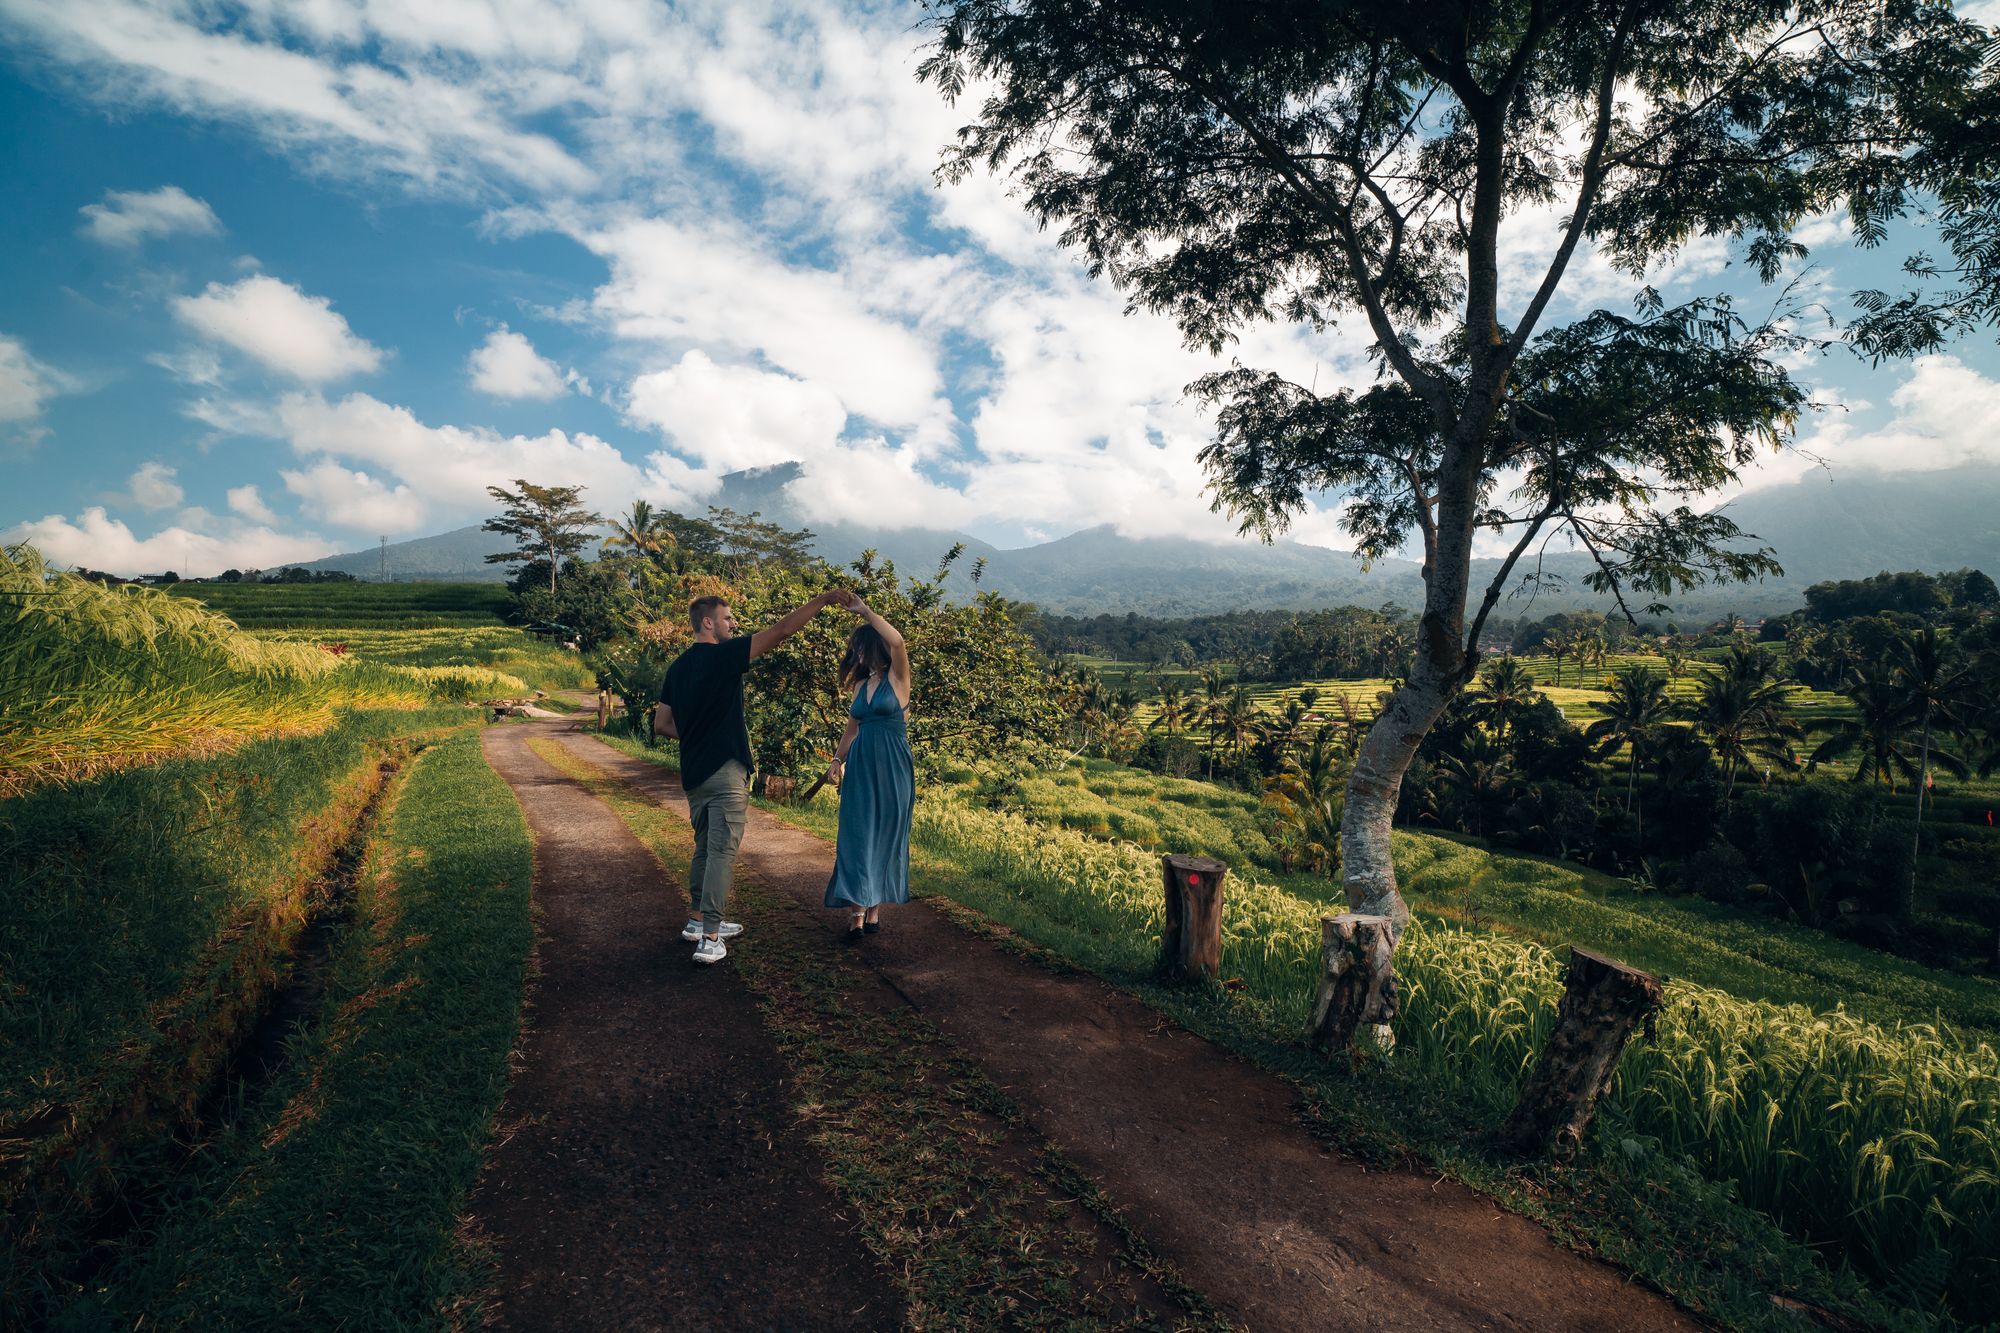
(710, 950)
(691, 932)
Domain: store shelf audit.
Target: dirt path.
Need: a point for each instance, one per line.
(648, 1173)
(1202, 1151)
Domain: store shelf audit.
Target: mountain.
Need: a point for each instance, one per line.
(458, 556)
(1826, 526)
(1850, 524)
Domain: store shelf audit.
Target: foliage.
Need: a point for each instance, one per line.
(389, 1098)
(546, 523)
(1228, 165)
(147, 913)
(260, 606)
(979, 684)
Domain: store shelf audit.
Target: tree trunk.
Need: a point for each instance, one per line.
(1356, 984)
(1603, 1001)
(1367, 872)
(1907, 908)
(1191, 938)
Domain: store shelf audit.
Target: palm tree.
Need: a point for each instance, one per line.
(1119, 728)
(1238, 721)
(1560, 645)
(1287, 725)
(1173, 714)
(1636, 712)
(1745, 716)
(1506, 691)
(1879, 728)
(645, 532)
(1306, 797)
(1677, 659)
(1476, 773)
(1938, 688)
(1214, 703)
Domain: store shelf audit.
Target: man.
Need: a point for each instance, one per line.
(701, 705)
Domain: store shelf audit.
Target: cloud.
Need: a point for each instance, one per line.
(279, 325)
(436, 123)
(355, 499)
(732, 417)
(25, 383)
(1945, 414)
(442, 472)
(246, 500)
(682, 286)
(127, 217)
(193, 365)
(507, 365)
(95, 540)
(153, 487)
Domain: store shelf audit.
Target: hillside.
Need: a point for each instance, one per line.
(1825, 526)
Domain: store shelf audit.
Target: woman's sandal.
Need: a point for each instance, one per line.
(856, 925)
(871, 927)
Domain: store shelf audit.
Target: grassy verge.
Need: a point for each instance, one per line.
(333, 1201)
(1871, 1144)
(146, 917)
(1752, 955)
(982, 1222)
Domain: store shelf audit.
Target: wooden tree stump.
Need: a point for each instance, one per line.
(1603, 1001)
(1191, 940)
(603, 709)
(1357, 981)
(774, 785)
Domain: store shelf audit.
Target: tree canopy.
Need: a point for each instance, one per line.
(1305, 161)
(547, 523)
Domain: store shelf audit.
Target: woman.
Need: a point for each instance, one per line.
(871, 863)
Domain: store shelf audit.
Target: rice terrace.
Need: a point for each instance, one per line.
(1000, 664)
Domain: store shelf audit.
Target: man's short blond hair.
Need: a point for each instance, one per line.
(701, 608)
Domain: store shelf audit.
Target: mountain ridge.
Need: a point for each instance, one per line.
(1823, 526)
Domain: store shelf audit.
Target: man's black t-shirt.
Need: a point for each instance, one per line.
(704, 687)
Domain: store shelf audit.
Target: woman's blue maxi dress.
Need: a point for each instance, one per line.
(871, 862)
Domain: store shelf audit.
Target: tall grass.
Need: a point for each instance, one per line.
(1880, 1140)
(95, 677)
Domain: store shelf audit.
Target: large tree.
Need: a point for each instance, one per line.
(546, 522)
(1303, 160)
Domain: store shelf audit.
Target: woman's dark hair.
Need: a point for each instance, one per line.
(866, 654)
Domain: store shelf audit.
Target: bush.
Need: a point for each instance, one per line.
(1718, 872)
(1820, 841)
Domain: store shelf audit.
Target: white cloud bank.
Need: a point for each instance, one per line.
(125, 218)
(280, 326)
(249, 502)
(412, 475)
(1946, 414)
(507, 365)
(197, 546)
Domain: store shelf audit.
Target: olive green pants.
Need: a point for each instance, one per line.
(718, 809)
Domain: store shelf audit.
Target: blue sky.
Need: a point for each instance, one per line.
(279, 279)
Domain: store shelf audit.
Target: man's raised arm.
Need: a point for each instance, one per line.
(764, 640)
